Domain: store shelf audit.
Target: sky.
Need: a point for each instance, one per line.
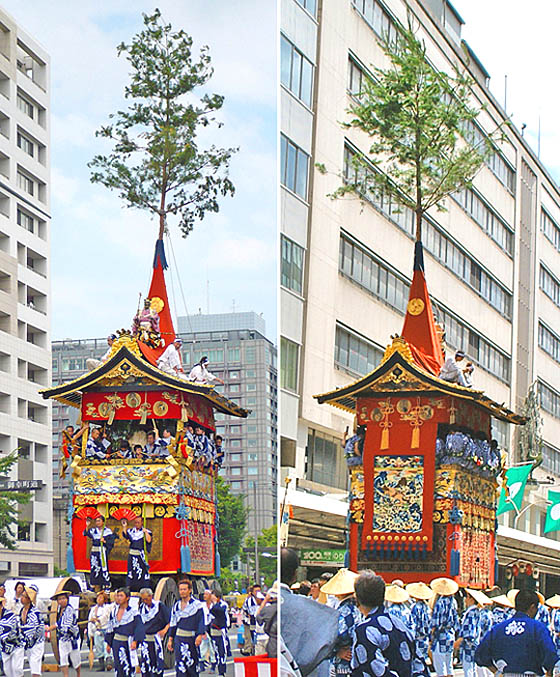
(102, 252)
(520, 41)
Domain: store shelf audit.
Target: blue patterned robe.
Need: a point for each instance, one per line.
(470, 632)
(67, 626)
(384, 647)
(501, 614)
(10, 632)
(399, 611)
(556, 629)
(99, 561)
(186, 624)
(120, 635)
(348, 618)
(154, 619)
(419, 623)
(138, 569)
(445, 623)
(218, 633)
(33, 629)
(485, 621)
(543, 615)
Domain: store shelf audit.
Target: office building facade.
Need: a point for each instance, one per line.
(492, 263)
(25, 304)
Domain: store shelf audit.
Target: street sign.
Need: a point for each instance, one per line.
(321, 558)
(21, 485)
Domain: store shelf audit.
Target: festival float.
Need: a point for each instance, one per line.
(127, 396)
(424, 476)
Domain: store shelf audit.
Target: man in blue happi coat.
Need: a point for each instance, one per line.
(468, 635)
(95, 449)
(218, 630)
(186, 631)
(155, 617)
(520, 645)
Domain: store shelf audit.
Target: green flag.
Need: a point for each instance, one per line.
(553, 513)
(511, 497)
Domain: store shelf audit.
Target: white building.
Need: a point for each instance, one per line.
(25, 358)
(492, 264)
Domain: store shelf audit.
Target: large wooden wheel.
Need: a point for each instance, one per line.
(73, 586)
(168, 593)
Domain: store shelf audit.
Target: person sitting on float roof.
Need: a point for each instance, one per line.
(451, 370)
(170, 359)
(200, 374)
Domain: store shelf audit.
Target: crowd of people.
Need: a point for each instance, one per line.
(206, 449)
(410, 630)
(259, 619)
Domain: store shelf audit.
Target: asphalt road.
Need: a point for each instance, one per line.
(86, 672)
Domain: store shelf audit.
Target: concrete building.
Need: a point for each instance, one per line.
(25, 306)
(492, 264)
(245, 359)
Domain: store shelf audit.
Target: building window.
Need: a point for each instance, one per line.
(251, 470)
(25, 220)
(250, 354)
(325, 460)
(236, 485)
(251, 442)
(550, 228)
(233, 374)
(251, 373)
(549, 285)
(251, 401)
(551, 458)
(235, 471)
(235, 444)
(24, 532)
(73, 364)
(549, 341)
(26, 145)
(291, 265)
(296, 71)
(234, 458)
(252, 457)
(234, 388)
(486, 217)
(294, 167)
(496, 163)
(549, 399)
(26, 106)
(355, 353)
(377, 17)
(357, 77)
(436, 241)
(289, 352)
(251, 387)
(251, 428)
(309, 5)
(25, 183)
(234, 354)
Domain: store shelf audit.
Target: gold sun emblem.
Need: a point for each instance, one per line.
(415, 306)
(157, 304)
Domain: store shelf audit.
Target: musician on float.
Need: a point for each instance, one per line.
(95, 448)
(138, 569)
(155, 616)
(125, 632)
(186, 631)
(102, 542)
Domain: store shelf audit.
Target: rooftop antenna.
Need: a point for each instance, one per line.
(539, 140)
(505, 94)
(523, 126)
(233, 306)
(207, 293)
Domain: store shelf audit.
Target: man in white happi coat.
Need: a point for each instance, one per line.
(92, 363)
(170, 359)
(452, 370)
(200, 374)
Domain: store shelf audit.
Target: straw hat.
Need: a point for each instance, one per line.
(478, 596)
(396, 594)
(67, 593)
(512, 594)
(444, 586)
(342, 583)
(502, 600)
(31, 593)
(295, 586)
(419, 591)
(554, 602)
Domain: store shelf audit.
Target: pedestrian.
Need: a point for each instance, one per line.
(33, 630)
(186, 631)
(67, 633)
(155, 617)
(554, 603)
(520, 645)
(502, 609)
(218, 630)
(383, 644)
(468, 635)
(267, 615)
(18, 592)
(11, 641)
(206, 650)
(485, 623)
(315, 590)
(125, 632)
(341, 586)
(395, 603)
(445, 623)
(249, 611)
(98, 621)
(419, 617)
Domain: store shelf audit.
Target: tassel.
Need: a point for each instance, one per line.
(70, 566)
(184, 415)
(347, 559)
(111, 415)
(185, 559)
(496, 569)
(385, 439)
(454, 563)
(415, 437)
(218, 564)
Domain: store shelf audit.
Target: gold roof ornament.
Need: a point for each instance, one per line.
(399, 373)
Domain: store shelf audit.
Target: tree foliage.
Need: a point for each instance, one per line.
(9, 501)
(418, 119)
(232, 516)
(157, 163)
(268, 538)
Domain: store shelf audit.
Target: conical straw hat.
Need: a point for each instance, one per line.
(479, 597)
(502, 600)
(419, 591)
(342, 583)
(31, 593)
(540, 596)
(554, 602)
(396, 594)
(444, 586)
(512, 594)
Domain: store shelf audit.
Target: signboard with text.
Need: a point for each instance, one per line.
(321, 558)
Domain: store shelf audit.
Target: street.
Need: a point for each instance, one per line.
(86, 672)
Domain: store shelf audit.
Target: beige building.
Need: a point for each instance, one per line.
(492, 264)
(25, 358)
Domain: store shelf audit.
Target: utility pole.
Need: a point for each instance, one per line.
(256, 533)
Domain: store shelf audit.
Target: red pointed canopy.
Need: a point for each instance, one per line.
(158, 290)
(419, 328)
